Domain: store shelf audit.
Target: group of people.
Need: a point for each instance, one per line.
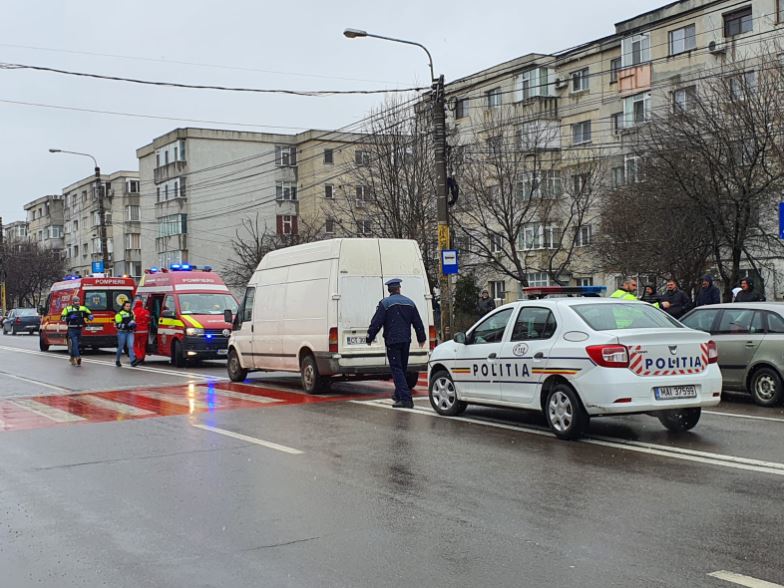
(132, 326)
(676, 302)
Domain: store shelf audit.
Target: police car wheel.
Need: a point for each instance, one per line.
(443, 395)
(312, 381)
(679, 421)
(564, 412)
(43, 344)
(766, 387)
(236, 372)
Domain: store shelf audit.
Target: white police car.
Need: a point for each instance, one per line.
(577, 357)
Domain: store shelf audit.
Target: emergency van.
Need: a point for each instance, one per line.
(307, 309)
(186, 306)
(104, 296)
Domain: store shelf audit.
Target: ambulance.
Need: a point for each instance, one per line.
(104, 296)
(187, 307)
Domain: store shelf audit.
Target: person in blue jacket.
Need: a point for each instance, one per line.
(397, 314)
(708, 294)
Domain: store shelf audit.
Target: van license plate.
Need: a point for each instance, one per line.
(675, 392)
(356, 340)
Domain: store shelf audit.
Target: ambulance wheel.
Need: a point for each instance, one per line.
(178, 355)
(43, 344)
(679, 421)
(236, 372)
(564, 412)
(312, 381)
(443, 395)
(412, 379)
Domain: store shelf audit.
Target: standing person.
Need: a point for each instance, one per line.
(650, 296)
(708, 293)
(397, 314)
(75, 316)
(485, 304)
(674, 300)
(142, 316)
(627, 291)
(747, 293)
(735, 291)
(125, 323)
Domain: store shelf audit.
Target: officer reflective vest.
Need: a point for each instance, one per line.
(74, 316)
(124, 321)
(623, 295)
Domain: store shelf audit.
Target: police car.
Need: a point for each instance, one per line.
(578, 356)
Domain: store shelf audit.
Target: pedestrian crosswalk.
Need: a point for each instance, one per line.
(130, 404)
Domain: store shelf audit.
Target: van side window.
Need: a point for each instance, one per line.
(168, 304)
(247, 305)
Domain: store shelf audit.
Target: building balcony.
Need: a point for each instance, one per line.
(171, 243)
(538, 108)
(169, 171)
(635, 79)
(287, 207)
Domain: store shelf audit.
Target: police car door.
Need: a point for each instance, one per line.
(525, 356)
(478, 360)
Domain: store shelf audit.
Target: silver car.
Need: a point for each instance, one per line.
(750, 339)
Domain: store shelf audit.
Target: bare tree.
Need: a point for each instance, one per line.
(30, 271)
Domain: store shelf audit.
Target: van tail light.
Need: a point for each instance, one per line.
(713, 352)
(433, 337)
(611, 356)
(333, 340)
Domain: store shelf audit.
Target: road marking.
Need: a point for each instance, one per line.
(718, 459)
(743, 416)
(173, 399)
(119, 407)
(44, 410)
(37, 383)
(742, 580)
(241, 437)
(238, 395)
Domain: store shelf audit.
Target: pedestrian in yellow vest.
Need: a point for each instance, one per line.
(627, 291)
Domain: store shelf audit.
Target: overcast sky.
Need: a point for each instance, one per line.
(288, 44)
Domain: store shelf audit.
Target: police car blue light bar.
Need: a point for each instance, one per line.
(544, 291)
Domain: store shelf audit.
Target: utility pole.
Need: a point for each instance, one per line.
(442, 206)
(2, 268)
(99, 193)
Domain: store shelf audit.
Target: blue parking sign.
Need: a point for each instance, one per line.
(97, 267)
(781, 220)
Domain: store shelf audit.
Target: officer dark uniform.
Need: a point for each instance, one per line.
(397, 314)
(75, 316)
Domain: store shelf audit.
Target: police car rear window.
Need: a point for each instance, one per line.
(611, 317)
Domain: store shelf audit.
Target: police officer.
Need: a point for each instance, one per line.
(125, 322)
(75, 316)
(397, 314)
(627, 291)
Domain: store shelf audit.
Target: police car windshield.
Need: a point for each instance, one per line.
(207, 303)
(106, 299)
(613, 316)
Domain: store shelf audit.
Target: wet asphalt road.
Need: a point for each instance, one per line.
(376, 497)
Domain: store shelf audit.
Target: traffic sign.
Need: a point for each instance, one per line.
(97, 267)
(781, 220)
(449, 262)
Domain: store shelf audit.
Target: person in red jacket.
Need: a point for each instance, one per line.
(142, 316)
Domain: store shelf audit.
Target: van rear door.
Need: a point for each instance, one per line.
(359, 297)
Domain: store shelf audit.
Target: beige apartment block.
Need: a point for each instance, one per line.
(588, 102)
(15, 231)
(45, 221)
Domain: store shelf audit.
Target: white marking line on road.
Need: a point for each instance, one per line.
(44, 410)
(36, 382)
(742, 580)
(718, 459)
(173, 399)
(238, 395)
(241, 437)
(743, 416)
(120, 407)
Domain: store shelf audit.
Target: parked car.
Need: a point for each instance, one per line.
(750, 339)
(22, 320)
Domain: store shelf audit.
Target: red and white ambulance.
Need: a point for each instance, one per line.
(104, 296)
(187, 307)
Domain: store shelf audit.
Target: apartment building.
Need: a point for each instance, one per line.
(122, 216)
(15, 231)
(587, 103)
(198, 186)
(45, 221)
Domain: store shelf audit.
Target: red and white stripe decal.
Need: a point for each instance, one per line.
(637, 365)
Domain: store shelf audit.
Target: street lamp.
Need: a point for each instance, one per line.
(101, 211)
(439, 143)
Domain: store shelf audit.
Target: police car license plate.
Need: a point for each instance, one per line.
(223, 351)
(675, 392)
(355, 340)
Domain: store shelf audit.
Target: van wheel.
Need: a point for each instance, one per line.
(178, 355)
(43, 344)
(312, 381)
(766, 387)
(412, 379)
(236, 372)
(565, 413)
(679, 421)
(443, 395)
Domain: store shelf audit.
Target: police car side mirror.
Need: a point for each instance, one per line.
(168, 314)
(228, 316)
(460, 338)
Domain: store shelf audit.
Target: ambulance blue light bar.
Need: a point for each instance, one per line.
(545, 291)
(181, 267)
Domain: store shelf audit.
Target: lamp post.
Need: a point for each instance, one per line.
(439, 142)
(101, 210)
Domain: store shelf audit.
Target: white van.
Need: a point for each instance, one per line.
(307, 309)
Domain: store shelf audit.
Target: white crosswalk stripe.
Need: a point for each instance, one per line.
(174, 399)
(44, 410)
(119, 407)
(239, 395)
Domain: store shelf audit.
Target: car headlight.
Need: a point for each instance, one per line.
(193, 331)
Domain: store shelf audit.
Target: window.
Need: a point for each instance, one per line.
(329, 226)
(497, 289)
(173, 224)
(287, 224)
(584, 236)
(539, 236)
(362, 157)
(621, 315)
(579, 183)
(580, 80)
(247, 305)
(543, 184)
(132, 186)
(285, 156)
(363, 196)
(96, 218)
(682, 40)
(182, 150)
(493, 98)
(133, 241)
(531, 83)
(683, 99)
(329, 157)
(618, 177)
(285, 191)
(364, 228)
(329, 191)
(166, 157)
(775, 322)
(636, 50)
(581, 132)
(738, 22)
(615, 67)
(491, 330)
(533, 324)
(583, 281)
(743, 85)
(158, 194)
(631, 166)
(157, 159)
(538, 279)
(740, 321)
(133, 213)
(176, 153)
(701, 319)
(106, 299)
(617, 122)
(495, 146)
(461, 108)
(496, 244)
(637, 109)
